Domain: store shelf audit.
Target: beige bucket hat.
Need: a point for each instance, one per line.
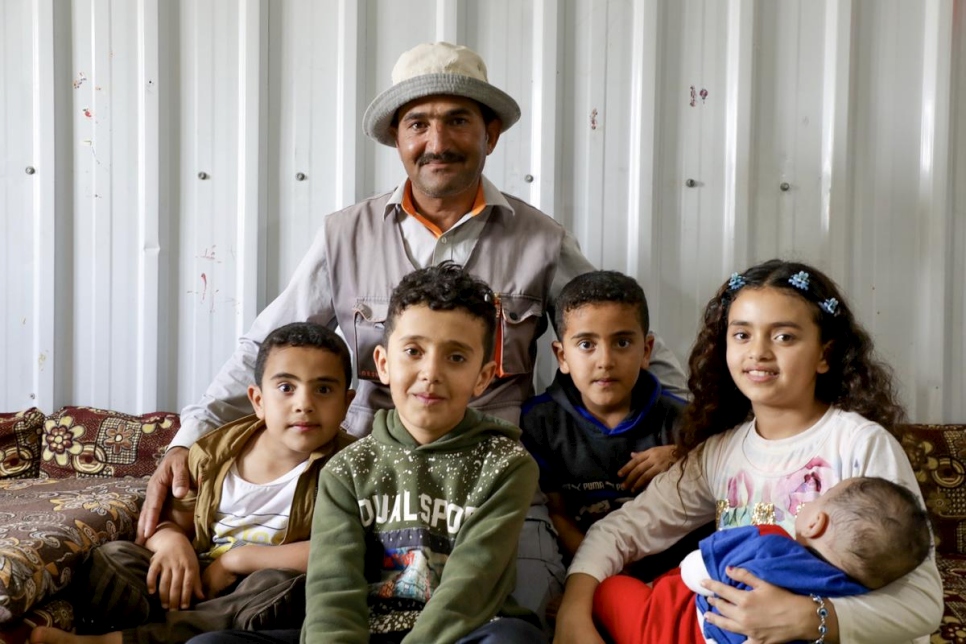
(430, 69)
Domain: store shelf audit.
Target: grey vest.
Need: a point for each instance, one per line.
(516, 255)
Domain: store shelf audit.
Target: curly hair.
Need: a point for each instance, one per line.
(856, 380)
(446, 287)
(600, 287)
(304, 334)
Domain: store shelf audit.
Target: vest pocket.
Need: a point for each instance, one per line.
(369, 322)
(518, 325)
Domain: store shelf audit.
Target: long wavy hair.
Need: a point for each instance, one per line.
(856, 380)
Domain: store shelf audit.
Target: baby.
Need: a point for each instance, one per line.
(862, 534)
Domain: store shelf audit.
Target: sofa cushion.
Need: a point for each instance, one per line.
(20, 444)
(85, 441)
(953, 626)
(48, 526)
(57, 613)
(938, 457)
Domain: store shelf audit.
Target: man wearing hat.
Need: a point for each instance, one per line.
(444, 118)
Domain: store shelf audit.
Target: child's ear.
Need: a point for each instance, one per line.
(255, 397)
(558, 351)
(648, 349)
(816, 526)
(483, 380)
(381, 356)
(823, 363)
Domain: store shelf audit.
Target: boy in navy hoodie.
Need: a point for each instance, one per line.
(605, 426)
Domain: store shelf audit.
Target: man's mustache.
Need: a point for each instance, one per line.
(443, 157)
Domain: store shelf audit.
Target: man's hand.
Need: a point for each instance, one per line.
(172, 474)
(644, 466)
(174, 570)
(217, 576)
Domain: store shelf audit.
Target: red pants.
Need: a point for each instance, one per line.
(634, 613)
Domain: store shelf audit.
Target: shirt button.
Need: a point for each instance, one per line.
(443, 240)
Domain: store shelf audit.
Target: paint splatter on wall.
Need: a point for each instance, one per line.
(695, 94)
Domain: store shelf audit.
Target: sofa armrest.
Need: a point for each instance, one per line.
(48, 527)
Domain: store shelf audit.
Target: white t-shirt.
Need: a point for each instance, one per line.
(740, 478)
(252, 513)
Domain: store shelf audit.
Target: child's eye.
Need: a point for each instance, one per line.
(585, 345)
(784, 337)
(286, 388)
(459, 120)
(457, 357)
(412, 352)
(739, 335)
(623, 343)
(324, 389)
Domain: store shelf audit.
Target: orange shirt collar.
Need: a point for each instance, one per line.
(409, 207)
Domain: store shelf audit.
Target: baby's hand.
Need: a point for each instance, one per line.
(217, 577)
(644, 466)
(174, 574)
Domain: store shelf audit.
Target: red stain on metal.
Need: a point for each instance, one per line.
(593, 119)
(204, 289)
(704, 95)
(694, 98)
(88, 113)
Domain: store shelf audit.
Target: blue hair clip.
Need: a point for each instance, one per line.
(736, 282)
(830, 306)
(799, 280)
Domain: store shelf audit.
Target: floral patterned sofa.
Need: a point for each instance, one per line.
(938, 456)
(68, 482)
(76, 478)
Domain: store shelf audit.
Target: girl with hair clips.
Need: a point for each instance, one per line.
(788, 401)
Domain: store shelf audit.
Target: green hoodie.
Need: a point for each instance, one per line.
(418, 538)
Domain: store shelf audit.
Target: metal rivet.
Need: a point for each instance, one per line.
(690, 183)
(29, 169)
(785, 186)
(203, 175)
(300, 176)
(528, 178)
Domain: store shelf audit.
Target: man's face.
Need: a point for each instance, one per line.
(443, 143)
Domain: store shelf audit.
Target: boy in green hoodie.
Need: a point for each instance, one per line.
(415, 530)
(416, 526)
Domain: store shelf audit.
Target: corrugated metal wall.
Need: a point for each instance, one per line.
(164, 165)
